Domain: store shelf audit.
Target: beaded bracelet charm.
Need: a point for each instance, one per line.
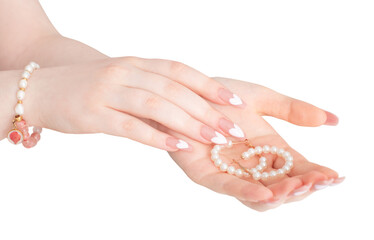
(256, 172)
(20, 131)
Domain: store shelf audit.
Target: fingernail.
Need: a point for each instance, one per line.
(213, 136)
(300, 191)
(337, 181)
(230, 128)
(178, 143)
(229, 97)
(322, 184)
(331, 119)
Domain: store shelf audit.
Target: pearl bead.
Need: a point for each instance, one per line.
(218, 162)
(34, 65)
(214, 151)
(26, 74)
(264, 175)
(20, 95)
(231, 170)
(289, 163)
(274, 150)
(22, 83)
(256, 176)
(29, 68)
(19, 109)
(262, 159)
(259, 167)
(239, 172)
(214, 157)
(289, 158)
(286, 154)
(253, 170)
(217, 148)
(223, 167)
(286, 169)
(37, 129)
(280, 171)
(273, 173)
(263, 164)
(229, 144)
(266, 149)
(245, 155)
(246, 174)
(258, 150)
(251, 152)
(280, 151)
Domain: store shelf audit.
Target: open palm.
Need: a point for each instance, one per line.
(261, 195)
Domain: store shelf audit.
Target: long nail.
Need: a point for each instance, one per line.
(212, 136)
(300, 191)
(178, 143)
(229, 97)
(337, 181)
(322, 184)
(331, 119)
(230, 128)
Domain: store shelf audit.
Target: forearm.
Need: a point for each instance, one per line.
(27, 34)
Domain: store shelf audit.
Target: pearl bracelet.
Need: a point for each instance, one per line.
(255, 172)
(20, 131)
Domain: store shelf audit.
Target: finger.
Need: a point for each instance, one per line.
(124, 125)
(293, 110)
(186, 99)
(191, 78)
(144, 104)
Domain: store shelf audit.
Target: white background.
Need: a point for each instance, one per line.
(104, 187)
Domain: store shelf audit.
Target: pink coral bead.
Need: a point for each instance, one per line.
(36, 136)
(29, 143)
(21, 124)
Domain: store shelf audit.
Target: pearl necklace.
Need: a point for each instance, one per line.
(256, 172)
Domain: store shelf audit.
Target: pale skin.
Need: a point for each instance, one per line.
(80, 90)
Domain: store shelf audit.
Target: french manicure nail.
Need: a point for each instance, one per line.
(337, 181)
(213, 136)
(322, 184)
(300, 191)
(331, 119)
(229, 97)
(177, 143)
(231, 128)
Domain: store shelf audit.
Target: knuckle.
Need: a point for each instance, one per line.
(115, 71)
(152, 102)
(177, 68)
(128, 125)
(172, 89)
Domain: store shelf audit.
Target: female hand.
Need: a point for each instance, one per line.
(116, 96)
(305, 177)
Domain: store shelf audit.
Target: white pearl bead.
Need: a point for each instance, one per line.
(239, 172)
(264, 175)
(251, 152)
(245, 174)
(280, 151)
(266, 149)
(286, 154)
(256, 176)
(223, 167)
(214, 157)
(34, 65)
(229, 144)
(29, 68)
(273, 149)
(231, 170)
(273, 173)
(218, 162)
(37, 129)
(20, 95)
(286, 169)
(289, 163)
(253, 171)
(262, 159)
(280, 171)
(26, 74)
(259, 167)
(214, 151)
(258, 150)
(245, 155)
(22, 83)
(217, 148)
(263, 164)
(19, 109)
(289, 158)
